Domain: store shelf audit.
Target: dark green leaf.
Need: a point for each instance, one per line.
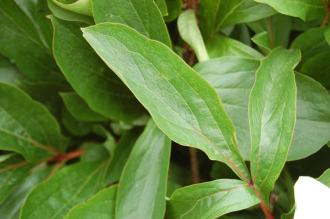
(74, 126)
(34, 138)
(69, 187)
(173, 9)
(79, 108)
(211, 199)
(272, 116)
(181, 103)
(325, 178)
(90, 78)
(100, 206)
(149, 163)
(304, 9)
(8, 72)
(132, 13)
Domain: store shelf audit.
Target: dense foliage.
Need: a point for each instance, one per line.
(97, 98)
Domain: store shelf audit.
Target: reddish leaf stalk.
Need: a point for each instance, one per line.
(265, 209)
(325, 20)
(59, 158)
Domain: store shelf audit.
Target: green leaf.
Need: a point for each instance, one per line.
(34, 138)
(304, 9)
(219, 46)
(189, 32)
(161, 4)
(100, 206)
(149, 163)
(74, 126)
(79, 108)
(70, 186)
(325, 178)
(216, 14)
(173, 9)
(89, 77)
(10, 208)
(120, 155)
(181, 102)
(13, 170)
(66, 15)
(19, 37)
(133, 14)
(233, 78)
(211, 199)
(262, 41)
(272, 116)
(8, 72)
(77, 6)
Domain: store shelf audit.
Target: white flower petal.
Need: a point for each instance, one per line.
(312, 199)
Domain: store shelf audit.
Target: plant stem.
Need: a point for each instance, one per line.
(327, 12)
(265, 209)
(14, 166)
(191, 4)
(194, 165)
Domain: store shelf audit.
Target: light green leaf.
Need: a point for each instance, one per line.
(181, 102)
(120, 155)
(67, 15)
(262, 41)
(100, 206)
(70, 186)
(10, 208)
(161, 4)
(89, 77)
(149, 163)
(216, 14)
(272, 116)
(21, 43)
(219, 46)
(211, 199)
(304, 9)
(12, 172)
(133, 14)
(325, 178)
(34, 138)
(79, 108)
(77, 6)
(233, 78)
(189, 32)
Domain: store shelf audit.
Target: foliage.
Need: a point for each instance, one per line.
(97, 98)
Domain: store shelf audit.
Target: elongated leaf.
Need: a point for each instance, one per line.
(233, 78)
(90, 78)
(181, 103)
(77, 6)
(173, 9)
(149, 163)
(132, 13)
(12, 172)
(211, 199)
(304, 9)
(70, 186)
(79, 109)
(21, 43)
(74, 126)
(161, 4)
(325, 178)
(100, 206)
(272, 116)
(189, 31)
(216, 14)
(28, 129)
(219, 46)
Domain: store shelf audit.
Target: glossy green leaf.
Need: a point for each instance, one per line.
(272, 120)
(149, 163)
(325, 178)
(34, 138)
(120, 155)
(161, 4)
(69, 187)
(189, 32)
(304, 9)
(100, 206)
(67, 15)
(77, 6)
(13, 170)
(233, 78)
(219, 46)
(216, 14)
(21, 42)
(89, 77)
(211, 199)
(132, 13)
(181, 103)
(79, 108)
(10, 208)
